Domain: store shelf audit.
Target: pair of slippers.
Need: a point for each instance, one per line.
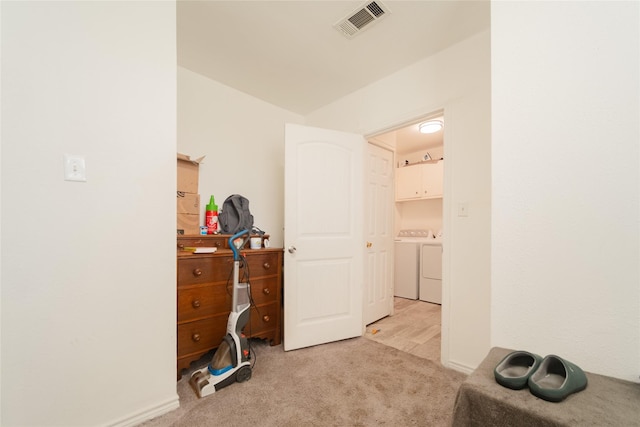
(551, 378)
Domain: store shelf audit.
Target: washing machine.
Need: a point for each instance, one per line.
(430, 281)
(407, 262)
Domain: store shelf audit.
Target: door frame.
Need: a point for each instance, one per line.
(447, 111)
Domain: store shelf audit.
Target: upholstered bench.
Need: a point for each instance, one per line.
(482, 402)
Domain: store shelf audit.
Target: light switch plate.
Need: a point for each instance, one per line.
(463, 209)
(74, 168)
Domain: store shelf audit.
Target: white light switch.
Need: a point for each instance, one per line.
(74, 168)
(463, 209)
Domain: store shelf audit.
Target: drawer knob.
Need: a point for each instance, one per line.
(266, 291)
(197, 272)
(196, 303)
(266, 265)
(195, 337)
(266, 318)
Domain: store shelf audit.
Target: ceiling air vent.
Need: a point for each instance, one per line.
(361, 18)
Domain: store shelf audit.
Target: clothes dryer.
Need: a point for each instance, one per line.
(431, 271)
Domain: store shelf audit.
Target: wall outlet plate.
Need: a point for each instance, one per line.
(74, 168)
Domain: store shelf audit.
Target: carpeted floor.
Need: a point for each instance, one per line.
(356, 382)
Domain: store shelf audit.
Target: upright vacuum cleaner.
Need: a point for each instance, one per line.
(230, 362)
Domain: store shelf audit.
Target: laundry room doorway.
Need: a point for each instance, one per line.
(415, 325)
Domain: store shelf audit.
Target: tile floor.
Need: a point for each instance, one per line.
(414, 328)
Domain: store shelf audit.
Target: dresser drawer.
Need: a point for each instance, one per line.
(206, 241)
(197, 302)
(204, 270)
(263, 264)
(264, 290)
(201, 336)
(263, 318)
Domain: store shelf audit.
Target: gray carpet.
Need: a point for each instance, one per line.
(355, 382)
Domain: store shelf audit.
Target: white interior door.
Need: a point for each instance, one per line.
(324, 204)
(378, 280)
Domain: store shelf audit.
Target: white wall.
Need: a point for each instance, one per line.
(565, 83)
(243, 139)
(419, 214)
(88, 269)
(458, 80)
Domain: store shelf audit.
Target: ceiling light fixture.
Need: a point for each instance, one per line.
(432, 126)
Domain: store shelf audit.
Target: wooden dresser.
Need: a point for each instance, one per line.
(204, 295)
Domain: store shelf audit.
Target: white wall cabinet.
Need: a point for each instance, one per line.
(421, 181)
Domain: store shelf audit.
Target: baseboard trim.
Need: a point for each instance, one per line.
(465, 369)
(148, 413)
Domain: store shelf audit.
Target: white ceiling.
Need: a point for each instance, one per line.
(287, 53)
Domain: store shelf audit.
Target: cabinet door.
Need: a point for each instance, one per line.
(408, 183)
(432, 180)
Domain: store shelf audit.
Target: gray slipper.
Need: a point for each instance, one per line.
(556, 379)
(514, 370)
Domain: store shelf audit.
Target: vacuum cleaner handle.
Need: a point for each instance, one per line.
(236, 253)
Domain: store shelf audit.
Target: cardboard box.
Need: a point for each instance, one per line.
(188, 203)
(188, 223)
(188, 170)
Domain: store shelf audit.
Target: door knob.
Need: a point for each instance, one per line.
(369, 244)
(291, 249)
